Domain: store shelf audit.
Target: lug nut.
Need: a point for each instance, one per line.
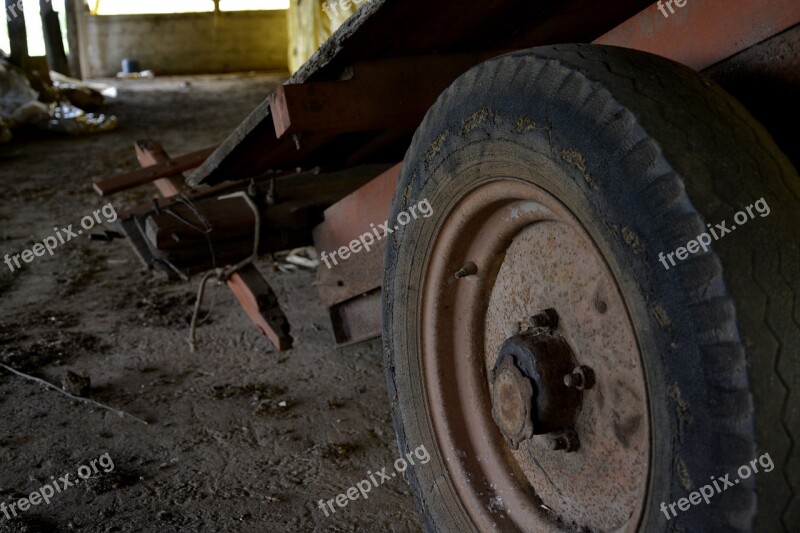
(546, 319)
(581, 378)
(469, 269)
(573, 380)
(566, 440)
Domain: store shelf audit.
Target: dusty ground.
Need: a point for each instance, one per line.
(221, 451)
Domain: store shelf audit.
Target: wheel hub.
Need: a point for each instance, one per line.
(530, 395)
(512, 394)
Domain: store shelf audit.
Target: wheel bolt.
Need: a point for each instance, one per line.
(566, 440)
(581, 378)
(469, 269)
(546, 319)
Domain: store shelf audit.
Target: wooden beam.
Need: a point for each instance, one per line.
(204, 224)
(384, 94)
(164, 169)
(150, 153)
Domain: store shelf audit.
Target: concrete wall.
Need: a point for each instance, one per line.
(186, 43)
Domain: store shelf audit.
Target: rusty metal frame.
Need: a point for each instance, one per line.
(703, 32)
(351, 288)
(699, 34)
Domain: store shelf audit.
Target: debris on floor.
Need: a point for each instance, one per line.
(32, 100)
(296, 259)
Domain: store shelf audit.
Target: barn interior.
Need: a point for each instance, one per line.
(172, 175)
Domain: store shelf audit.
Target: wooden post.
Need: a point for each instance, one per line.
(53, 41)
(73, 11)
(17, 35)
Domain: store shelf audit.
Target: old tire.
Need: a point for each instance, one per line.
(629, 155)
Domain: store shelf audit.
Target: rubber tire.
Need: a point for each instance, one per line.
(665, 151)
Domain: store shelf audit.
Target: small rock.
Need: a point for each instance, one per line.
(76, 384)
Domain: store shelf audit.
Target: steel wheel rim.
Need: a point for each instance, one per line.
(462, 321)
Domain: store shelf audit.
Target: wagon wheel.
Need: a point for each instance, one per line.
(559, 374)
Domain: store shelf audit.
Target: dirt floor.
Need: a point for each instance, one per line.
(238, 437)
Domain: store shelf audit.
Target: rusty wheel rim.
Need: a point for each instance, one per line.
(506, 251)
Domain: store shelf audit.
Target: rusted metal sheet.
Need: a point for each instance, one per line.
(351, 287)
(344, 222)
(358, 319)
(204, 224)
(703, 32)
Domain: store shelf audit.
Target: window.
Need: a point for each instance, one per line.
(33, 22)
(138, 7)
(252, 5)
(33, 27)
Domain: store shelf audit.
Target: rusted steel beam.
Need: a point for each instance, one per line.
(351, 288)
(154, 172)
(703, 32)
(384, 94)
(261, 305)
